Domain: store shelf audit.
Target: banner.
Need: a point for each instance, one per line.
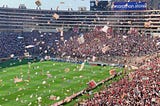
(129, 6)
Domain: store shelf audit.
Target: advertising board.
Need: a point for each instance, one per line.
(129, 6)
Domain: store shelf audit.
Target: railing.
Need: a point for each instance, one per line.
(25, 20)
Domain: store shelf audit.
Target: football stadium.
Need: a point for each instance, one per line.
(107, 55)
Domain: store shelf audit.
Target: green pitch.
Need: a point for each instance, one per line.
(43, 80)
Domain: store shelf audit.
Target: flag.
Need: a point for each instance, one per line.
(112, 72)
(38, 3)
(81, 40)
(105, 48)
(55, 16)
(92, 84)
(147, 24)
(105, 29)
(16, 79)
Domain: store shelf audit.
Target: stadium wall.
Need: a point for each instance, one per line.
(27, 20)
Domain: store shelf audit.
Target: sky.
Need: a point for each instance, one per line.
(47, 4)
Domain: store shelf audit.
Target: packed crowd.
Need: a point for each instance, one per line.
(35, 43)
(98, 43)
(140, 88)
(94, 43)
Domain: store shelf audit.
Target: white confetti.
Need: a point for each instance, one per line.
(30, 104)
(58, 98)
(12, 55)
(44, 82)
(39, 99)
(31, 96)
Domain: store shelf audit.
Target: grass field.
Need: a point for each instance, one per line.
(44, 79)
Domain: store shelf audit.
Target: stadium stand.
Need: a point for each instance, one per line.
(97, 43)
(101, 36)
(35, 43)
(140, 87)
(26, 20)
